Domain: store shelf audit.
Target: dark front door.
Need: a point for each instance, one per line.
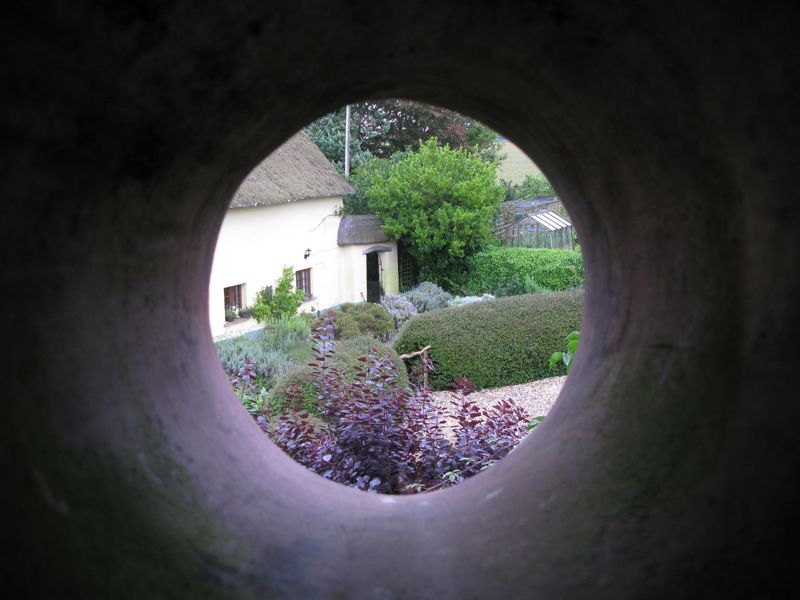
(373, 278)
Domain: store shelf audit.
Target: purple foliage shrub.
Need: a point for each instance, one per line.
(376, 436)
(244, 378)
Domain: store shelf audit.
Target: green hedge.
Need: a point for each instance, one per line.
(495, 343)
(502, 271)
(347, 353)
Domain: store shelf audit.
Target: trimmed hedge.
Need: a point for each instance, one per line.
(502, 271)
(503, 342)
(347, 353)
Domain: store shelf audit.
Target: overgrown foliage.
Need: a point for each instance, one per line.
(284, 300)
(356, 319)
(376, 436)
(440, 204)
(511, 271)
(503, 342)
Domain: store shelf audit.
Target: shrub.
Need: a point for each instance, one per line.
(355, 319)
(283, 343)
(348, 353)
(463, 300)
(245, 379)
(504, 342)
(428, 296)
(400, 307)
(283, 301)
(534, 186)
(531, 286)
(440, 204)
(297, 382)
(566, 356)
(378, 437)
(345, 357)
(503, 271)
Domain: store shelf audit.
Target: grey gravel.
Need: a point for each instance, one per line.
(535, 397)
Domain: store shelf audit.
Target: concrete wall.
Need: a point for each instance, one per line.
(669, 466)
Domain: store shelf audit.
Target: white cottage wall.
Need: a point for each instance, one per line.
(255, 243)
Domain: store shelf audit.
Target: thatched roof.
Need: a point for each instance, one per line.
(361, 229)
(296, 171)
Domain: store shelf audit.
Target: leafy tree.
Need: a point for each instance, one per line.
(381, 128)
(440, 203)
(327, 133)
(370, 170)
(533, 186)
(484, 141)
(394, 125)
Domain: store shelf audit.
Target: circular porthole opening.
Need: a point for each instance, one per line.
(396, 296)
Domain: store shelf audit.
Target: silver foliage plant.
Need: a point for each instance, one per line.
(400, 307)
(428, 296)
(462, 300)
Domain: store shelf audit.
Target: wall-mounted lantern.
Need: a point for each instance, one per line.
(307, 253)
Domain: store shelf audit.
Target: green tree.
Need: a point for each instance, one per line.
(533, 186)
(384, 127)
(394, 125)
(284, 300)
(368, 172)
(327, 133)
(440, 204)
(484, 141)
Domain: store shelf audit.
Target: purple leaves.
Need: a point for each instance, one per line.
(378, 437)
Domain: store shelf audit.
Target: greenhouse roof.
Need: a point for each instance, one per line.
(551, 220)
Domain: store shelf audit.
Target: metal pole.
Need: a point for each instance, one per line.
(347, 141)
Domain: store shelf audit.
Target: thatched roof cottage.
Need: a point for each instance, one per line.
(285, 213)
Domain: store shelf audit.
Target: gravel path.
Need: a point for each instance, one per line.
(536, 397)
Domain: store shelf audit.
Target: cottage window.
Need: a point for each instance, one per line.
(234, 297)
(303, 282)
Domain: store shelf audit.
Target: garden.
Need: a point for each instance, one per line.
(387, 397)
(437, 383)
